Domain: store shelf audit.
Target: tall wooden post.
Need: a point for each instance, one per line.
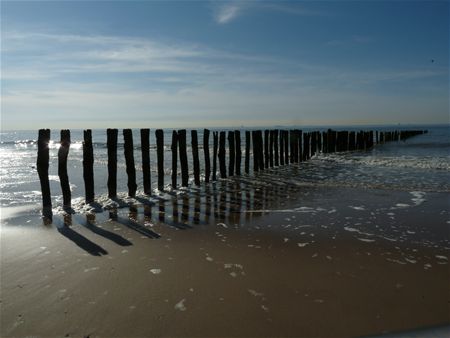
(275, 143)
(255, 151)
(88, 166)
(63, 153)
(281, 147)
(206, 153)
(129, 160)
(247, 151)
(286, 146)
(215, 147)
(237, 137)
(145, 151)
(174, 149)
(195, 158)
(159, 133)
(183, 157)
(232, 153)
(222, 155)
(112, 162)
(260, 147)
(271, 143)
(42, 164)
(266, 148)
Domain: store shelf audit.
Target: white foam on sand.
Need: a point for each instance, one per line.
(180, 305)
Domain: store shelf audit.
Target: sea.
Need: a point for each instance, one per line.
(421, 163)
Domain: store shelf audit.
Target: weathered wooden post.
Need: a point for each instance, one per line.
(237, 136)
(266, 148)
(145, 151)
(112, 162)
(63, 153)
(305, 151)
(281, 147)
(247, 151)
(215, 146)
(232, 153)
(183, 157)
(174, 149)
(292, 147)
(259, 136)
(301, 148)
(88, 166)
(286, 146)
(275, 143)
(319, 142)
(255, 151)
(42, 164)
(271, 142)
(206, 153)
(129, 161)
(159, 133)
(222, 155)
(195, 158)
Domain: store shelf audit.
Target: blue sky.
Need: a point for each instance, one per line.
(87, 64)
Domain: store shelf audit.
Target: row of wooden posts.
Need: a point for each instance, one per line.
(270, 148)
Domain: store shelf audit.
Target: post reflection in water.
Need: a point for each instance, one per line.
(161, 211)
(133, 213)
(90, 218)
(185, 209)
(175, 210)
(147, 214)
(67, 217)
(197, 200)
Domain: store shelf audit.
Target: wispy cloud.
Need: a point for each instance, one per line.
(227, 12)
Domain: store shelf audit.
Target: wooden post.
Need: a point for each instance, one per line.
(259, 136)
(237, 136)
(42, 164)
(88, 166)
(129, 160)
(247, 151)
(206, 153)
(215, 146)
(281, 147)
(292, 145)
(183, 157)
(195, 160)
(286, 146)
(159, 133)
(63, 153)
(300, 147)
(174, 149)
(255, 151)
(271, 144)
(222, 155)
(232, 153)
(275, 143)
(319, 142)
(145, 151)
(112, 162)
(266, 148)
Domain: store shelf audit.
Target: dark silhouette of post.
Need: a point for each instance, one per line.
(260, 147)
(129, 161)
(237, 137)
(206, 153)
(183, 157)
(174, 149)
(298, 144)
(266, 148)
(215, 147)
(255, 151)
(145, 151)
(275, 143)
(247, 151)
(222, 155)
(286, 146)
(271, 142)
(159, 133)
(42, 164)
(232, 153)
(281, 147)
(88, 166)
(112, 162)
(63, 153)
(195, 158)
(293, 146)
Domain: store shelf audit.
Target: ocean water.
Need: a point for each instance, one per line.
(421, 163)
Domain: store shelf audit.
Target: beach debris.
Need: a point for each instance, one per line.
(223, 225)
(233, 274)
(441, 257)
(302, 245)
(367, 240)
(209, 259)
(255, 293)
(180, 305)
(427, 266)
(155, 271)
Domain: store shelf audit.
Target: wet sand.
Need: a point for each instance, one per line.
(286, 261)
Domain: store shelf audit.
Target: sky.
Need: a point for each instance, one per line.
(171, 64)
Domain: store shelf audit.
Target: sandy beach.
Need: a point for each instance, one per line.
(346, 262)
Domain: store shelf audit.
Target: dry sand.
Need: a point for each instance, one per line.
(310, 271)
